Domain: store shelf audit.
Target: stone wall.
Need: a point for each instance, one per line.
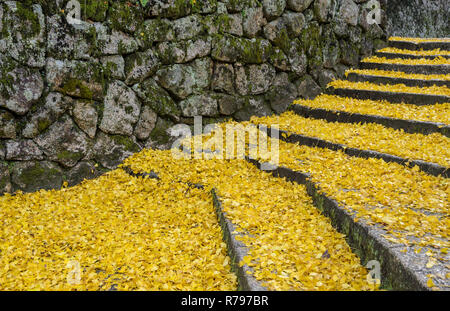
(418, 18)
(75, 100)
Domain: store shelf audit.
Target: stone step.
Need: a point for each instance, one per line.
(356, 77)
(236, 249)
(406, 56)
(421, 69)
(399, 271)
(409, 126)
(427, 167)
(393, 97)
(409, 45)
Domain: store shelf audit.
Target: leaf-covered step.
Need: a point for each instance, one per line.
(440, 69)
(408, 56)
(429, 168)
(409, 126)
(419, 43)
(392, 53)
(373, 78)
(432, 148)
(391, 92)
(396, 271)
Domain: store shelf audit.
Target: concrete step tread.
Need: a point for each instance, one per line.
(415, 69)
(382, 79)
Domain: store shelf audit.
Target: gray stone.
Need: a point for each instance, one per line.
(273, 8)
(253, 106)
(82, 171)
(30, 176)
(199, 105)
(154, 30)
(349, 12)
(157, 98)
(55, 105)
(114, 42)
(114, 66)
(168, 8)
(172, 52)
(82, 79)
(231, 23)
(274, 30)
(140, 66)
(231, 49)
(322, 9)
(146, 123)
(229, 104)
(295, 22)
(197, 48)
(298, 5)
(254, 79)
(8, 125)
(279, 60)
(61, 39)
(349, 53)
(253, 21)
(183, 80)
(63, 142)
(85, 116)
(23, 150)
(5, 179)
(121, 110)
(124, 17)
(282, 93)
(24, 33)
(160, 137)
(188, 27)
(110, 151)
(297, 58)
(21, 87)
(325, 77)
(308, 88)
(223, 78)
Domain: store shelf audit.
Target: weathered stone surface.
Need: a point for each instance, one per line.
(154, 30)
(183, 80)
(230, 23)
(297, 58)
(146, 123)
(23, 150)
(199, 105)
(253, 106)
(24, 32)
(83, 170)
(140, 66)
(157, 98)
(223, 78)
(20, 87)
(114, 66)
(276, 32)
(125, 17)
(282, 93)
(294, 22)
(8, 125)
(63, 142)
(231, 49)
(308, 88)
(279, 60)
(5, 179)
(229, 104)
(298, 5)
(349, 53)
(110, 151)
(325, 77)
(331, 51)
(254, 79)
(273, 8)
(322, 9)
(121, 110)
(234, 6)
(85, 115)
(54, 106)
(30, 176)
(197, 48)
(168, 8)
(253, 21)
(83, 79)
(188, 27)
(114, 42)
(160, 137)
(349, 12)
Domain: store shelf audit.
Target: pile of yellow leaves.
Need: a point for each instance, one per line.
(407, 61)
(398, 74)
(369, 136)
(396, 88)
(115, 232)
(286, 235)
(419, 40)
(434, 52)
(439, 113)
